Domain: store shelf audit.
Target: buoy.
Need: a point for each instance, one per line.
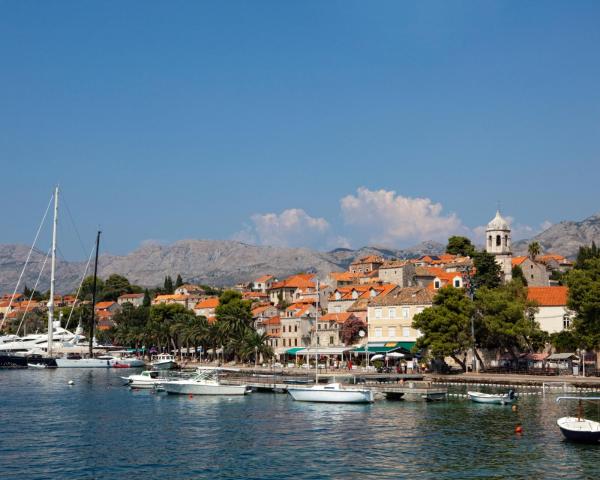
(514, 408)
(71, 382)
(191, 396)
(518, 429)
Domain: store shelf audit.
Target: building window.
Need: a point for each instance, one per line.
(456, 283)
(391, 331)
(331, 341)
(490, 241)
(405, 312)
(295, 342)
(436, 284)
(498, 240)
(318, 340)
(378, 313)
(337, 309)
(295, 328)
(378, 332)
(406, 332)
(392, 312)
(532, 276)
(566, 322)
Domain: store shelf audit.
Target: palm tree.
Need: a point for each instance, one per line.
(255, 344)
(534, 249)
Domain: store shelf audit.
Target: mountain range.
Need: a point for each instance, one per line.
(227, 262)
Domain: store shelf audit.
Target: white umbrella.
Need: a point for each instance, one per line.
(379, 356)
(395, 355)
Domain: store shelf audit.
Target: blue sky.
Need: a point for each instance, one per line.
(316, 123)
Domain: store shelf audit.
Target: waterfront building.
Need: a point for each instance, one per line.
(390, 317)
(296, 325)
(553, 314)
(498, 243)
(342, 298)
(329, 329)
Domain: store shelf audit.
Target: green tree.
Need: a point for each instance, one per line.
(586, 253)
(517, 273)
(168, 285)
(534, 249)
(458, 245)
(115, 286)
(445, 326)
(584, 299)
(178, 281)
(147, 300)
(87, 287)
(504, 319)
(487, 271)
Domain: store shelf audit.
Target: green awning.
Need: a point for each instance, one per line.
(293, 351)
(386, 347)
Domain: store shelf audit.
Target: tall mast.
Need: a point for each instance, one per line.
(317, 337)
(92, 325)
(52, 275)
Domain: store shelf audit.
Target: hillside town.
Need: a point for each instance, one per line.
(369, 309)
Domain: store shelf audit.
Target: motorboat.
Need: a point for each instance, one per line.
(146, 379)
(579, 429)
(493, 398)
(331, 393)
(204, 382)
(124, 360)
(163, 361)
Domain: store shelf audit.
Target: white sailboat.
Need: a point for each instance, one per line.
(205, 382)
(331, 392)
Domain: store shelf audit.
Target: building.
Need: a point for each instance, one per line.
(262, 284)
(188, 301)
(190, 289)
(365, 265)
(390, 317)
(443, 278)
(261, 314)
(273, 331)
(534, 272)
(329, 329)
(206, 308)
(136, 299)
(288, 290)
(498, 243)
(398, 272)
(296, 325)
(342, 298)
(105, 312)
(553, 315)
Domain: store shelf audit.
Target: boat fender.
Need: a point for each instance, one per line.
(518, 429)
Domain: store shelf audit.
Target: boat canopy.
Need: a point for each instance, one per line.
(386, 347)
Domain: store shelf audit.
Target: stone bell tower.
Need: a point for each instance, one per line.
(498, 243)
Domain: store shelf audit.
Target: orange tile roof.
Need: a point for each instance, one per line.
(171, 297)
(130, 295)
(548, 296)
(336, 317)
(258, 310)
(212, 302)
(263, 279)
(343, 276)
(518, 260)
(104, 305)
(211, 320)
(273, 321)
(368, 259)
(296, 281)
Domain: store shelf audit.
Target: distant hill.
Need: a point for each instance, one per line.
(565, 237)
(214, 262)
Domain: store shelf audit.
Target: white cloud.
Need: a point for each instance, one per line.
(386, 218)
(290, 228)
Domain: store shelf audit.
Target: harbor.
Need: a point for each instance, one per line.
(268, 436)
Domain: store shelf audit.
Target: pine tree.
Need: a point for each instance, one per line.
(168, 285)
(179, 281)
(147, 300)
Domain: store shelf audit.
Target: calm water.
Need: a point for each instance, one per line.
(98, 429)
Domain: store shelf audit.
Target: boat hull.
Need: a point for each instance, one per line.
(12, 361)
(331, 396)
(576, 430)
(490, 399)
(82, 363)
(166, 365)
(185, 388)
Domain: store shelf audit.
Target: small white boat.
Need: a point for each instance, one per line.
(36, 365)
(205, 382)
(331, 393)
(146, 379)
(579, 429)
(163, 361)
(492, 398)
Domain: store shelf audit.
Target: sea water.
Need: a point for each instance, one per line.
(99, 429)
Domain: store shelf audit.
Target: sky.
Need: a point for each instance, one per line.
(318, 123)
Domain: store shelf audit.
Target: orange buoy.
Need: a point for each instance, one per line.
(191, 396)
(518, 429)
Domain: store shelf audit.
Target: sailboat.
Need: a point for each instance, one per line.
(330, 392)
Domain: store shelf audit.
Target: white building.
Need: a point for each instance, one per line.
(553, 315)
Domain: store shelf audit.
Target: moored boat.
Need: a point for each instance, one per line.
(492, 398)
(579, 429)
(205, 382)
(146, 379)
(331, 393)
(163, 361)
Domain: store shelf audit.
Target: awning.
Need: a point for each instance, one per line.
(324, 351)
(293, 351)
(563, 356)
(385, 347)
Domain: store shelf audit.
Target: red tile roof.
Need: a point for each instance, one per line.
(548, 296)
(104, 305)
(263, 279)
(518, 260)
(212, 302)
(336, 317)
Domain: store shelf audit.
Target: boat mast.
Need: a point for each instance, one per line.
(52, 275)
(317, 338)
(94, 295)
